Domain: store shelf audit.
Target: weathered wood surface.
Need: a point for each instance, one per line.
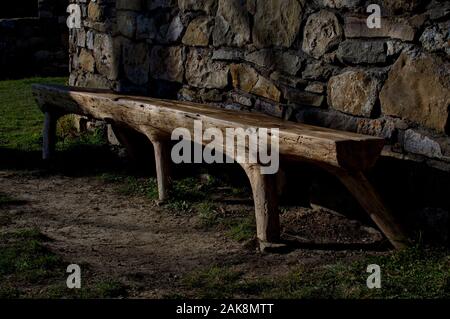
(163, 160)
(371, 202)
(49, 135)
(344, 154)
(339, 149)
(264, 188)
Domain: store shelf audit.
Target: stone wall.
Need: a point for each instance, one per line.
(309, 61)
(35, 45)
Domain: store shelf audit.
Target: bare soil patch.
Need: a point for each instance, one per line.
(149, 247)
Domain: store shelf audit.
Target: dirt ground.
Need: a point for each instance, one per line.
(149, 247)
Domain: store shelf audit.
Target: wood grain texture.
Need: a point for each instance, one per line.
(163, 160)
(339, 149)
(49, 135)
(372, 203)
(265, 197)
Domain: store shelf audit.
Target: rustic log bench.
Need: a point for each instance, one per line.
(346, 155)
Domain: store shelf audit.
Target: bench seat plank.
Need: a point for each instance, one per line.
(336, 148)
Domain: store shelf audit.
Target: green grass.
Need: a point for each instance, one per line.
(108, 288)
(411, 274)
(415, 273)
(132, 186)
(103, 289)
(20, 118)
(215, 282)
(139, 186)
(208, 214)
(24, 256)
(70, 141)
(242, 229)
(28, 269)
(219, 282)
(187, 194)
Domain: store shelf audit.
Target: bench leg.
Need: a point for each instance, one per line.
(371, 201)
(161, 146)
(163, 160)
(49, 135)
(265, 196)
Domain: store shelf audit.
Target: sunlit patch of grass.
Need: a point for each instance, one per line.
(410, 274)
(74, 141)
(21, 123)
(187, 194)
(242, 229)
(144, 186)
(20, 118)
(414, 273)
(133, 186)
(207, 212)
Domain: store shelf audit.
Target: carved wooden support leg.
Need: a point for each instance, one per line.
(49, 135)
(161, 145)
(266, 205)
(371, 201)
(163, 160)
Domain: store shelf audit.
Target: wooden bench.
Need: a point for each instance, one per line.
(346, 155)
